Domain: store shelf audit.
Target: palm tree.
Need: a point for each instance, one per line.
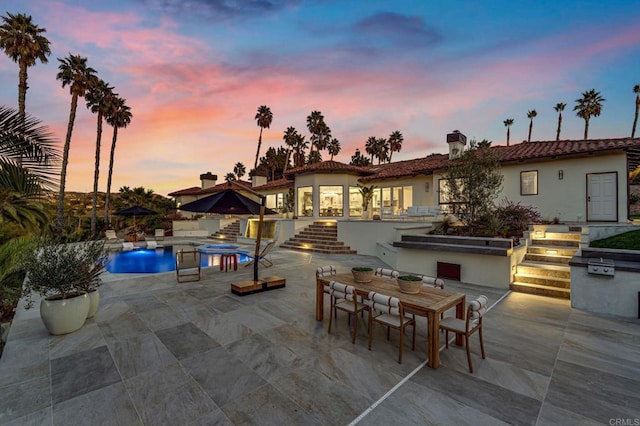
(357, 159)
(290, 137)
(119, 117)
(263, 117)
(559, 108)
(100, 101)
(370, 146)
(239, 170)
(508, 122)
(395, 143)
(314, 157)
(333, 147)
(73, 72)
(299, 148)
(24, 43)
(531, 115)
(29, 163)
(636, 90)
(590, 105)
(315, 123)
(381, 150)
(229, 177)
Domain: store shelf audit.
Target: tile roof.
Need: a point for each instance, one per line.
(329, 167)
(212, 190)
(280, 183)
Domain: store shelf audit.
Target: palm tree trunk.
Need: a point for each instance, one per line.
(65, 160)
(22, 90)
(255, 165)
(530, 129)
(635, 119)
(286, 162)
(107, 216)
(559, 126)
(96, 172)
(586, 128)
(508, 135)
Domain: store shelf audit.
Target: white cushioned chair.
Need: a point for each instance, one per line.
(386, 273)
(388, 311)
(344, 298)
(467, 326)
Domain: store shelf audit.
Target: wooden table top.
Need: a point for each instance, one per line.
(429, 300)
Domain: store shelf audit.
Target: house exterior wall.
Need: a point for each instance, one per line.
(564, 198)
(316, 179)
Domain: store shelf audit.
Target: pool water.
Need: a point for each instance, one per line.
(145, 261)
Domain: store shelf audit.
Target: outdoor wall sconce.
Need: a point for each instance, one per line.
(560, 174)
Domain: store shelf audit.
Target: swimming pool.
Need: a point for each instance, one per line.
(145, 261)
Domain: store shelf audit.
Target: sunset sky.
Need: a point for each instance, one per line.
(195, 72)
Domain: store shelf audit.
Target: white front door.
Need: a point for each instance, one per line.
(602, 197)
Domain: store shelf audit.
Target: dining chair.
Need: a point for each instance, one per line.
(388, 311)
(323, 272)
(344, 298)
(436, 283)
(472, 323)
(386, 273)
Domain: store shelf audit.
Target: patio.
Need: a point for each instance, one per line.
(159, 352)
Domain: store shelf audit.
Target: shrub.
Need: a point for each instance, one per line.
(515, 218)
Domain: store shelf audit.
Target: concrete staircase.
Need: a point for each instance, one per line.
(545, 268)
(229, 233)
(319, 237)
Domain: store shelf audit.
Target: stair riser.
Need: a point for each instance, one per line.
(547, 258)
(559, 250)
(559, 243)
(562, 236)
(547, 291)
(319, 234)
(546, 281)
(547, 273)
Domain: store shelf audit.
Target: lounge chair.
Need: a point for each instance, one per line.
(127, 246)
(152, 245)
(111, 236)
(264, 255)
(188, 266)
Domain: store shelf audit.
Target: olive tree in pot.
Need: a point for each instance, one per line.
(63, 275)
(367, 195)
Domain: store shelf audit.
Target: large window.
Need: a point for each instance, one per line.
(305, 201)
(396, 199)
(529, 182)
(275, 201)
(331, 200)
(355, 201)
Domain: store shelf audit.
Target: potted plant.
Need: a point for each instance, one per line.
(62, 274)
(367, 196)
(409, 283)
(362, 274)
(289, 202)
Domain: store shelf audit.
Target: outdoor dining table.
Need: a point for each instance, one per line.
(430, 302)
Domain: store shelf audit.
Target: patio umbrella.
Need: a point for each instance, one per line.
(135, 211)
(230, 201)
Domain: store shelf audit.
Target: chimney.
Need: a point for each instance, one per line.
(207, 180)
(258, 178)
(457, 142)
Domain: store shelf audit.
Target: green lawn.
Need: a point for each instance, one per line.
(627, 241)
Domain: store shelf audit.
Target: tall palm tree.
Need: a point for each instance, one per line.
(589, 105)
(239, 170)
(73, 72)
(381, 150)
(508, 123)
(636, 90)
(395, 143)
(370, 147)
(230, 177)
(333, 147)
(25, 44)
(290, 138)
(119, 117)
(323, 137)
(263, 117)
(315, 122)
(531, 115)
(559, 108)
(301, 145)
(100, 101)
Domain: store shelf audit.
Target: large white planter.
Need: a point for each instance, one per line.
(64, 315)
(94, 302)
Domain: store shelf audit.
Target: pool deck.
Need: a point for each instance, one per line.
(159, 353)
